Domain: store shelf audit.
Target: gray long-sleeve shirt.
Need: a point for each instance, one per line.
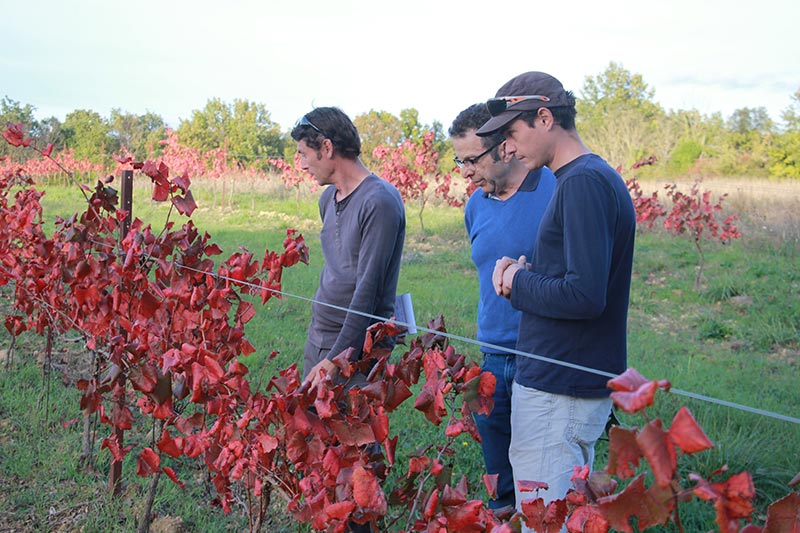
(362, 241)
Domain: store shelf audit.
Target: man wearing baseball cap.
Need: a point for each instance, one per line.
(573, 295)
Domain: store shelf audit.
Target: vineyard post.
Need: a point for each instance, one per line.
(126, 202)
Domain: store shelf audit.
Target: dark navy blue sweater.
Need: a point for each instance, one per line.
(574, 300)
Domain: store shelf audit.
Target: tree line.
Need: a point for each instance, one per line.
(617, 117)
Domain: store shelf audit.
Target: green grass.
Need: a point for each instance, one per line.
(736, 339)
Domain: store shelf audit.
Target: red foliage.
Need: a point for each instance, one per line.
(167, 325)
(648, 208)
(412, 167)
(292, 175)
(695, 214)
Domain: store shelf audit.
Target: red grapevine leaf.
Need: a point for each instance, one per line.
(117, 453)
(121, 416)
(144, 377)
(636, 400)
(733, 499)
(418, 464)
(453, 496)
(353, 434)
(149, 304)
(659, 452)
(490, 482)
(212, 249)
(160, 192)
(633, 392)
(544, 518)
(15, 136)
(687, 434)
(432, 504)
(380, 425)
(479, 391)
(454, 428)
(367, 492)
(783, 516)
(390, 446)
(465, 517)
(431, 401)
(324, 402)
(634, 500)
(530, 486)
(147, 462)
(587, 519)
(173, 476)
(339, 510)
(623, 452)
(245, 312)
(628, 381)
(169, 445)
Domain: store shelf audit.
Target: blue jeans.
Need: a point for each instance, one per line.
(495, 428)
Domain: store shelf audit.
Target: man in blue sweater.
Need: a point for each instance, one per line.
(502, 218)
(574, 297)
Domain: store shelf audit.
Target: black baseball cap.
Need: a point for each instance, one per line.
(527, 92)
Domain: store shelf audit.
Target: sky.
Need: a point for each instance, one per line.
(171, 57)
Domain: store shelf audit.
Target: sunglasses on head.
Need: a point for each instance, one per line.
(305, 122)
(500, 104)
(473, 160)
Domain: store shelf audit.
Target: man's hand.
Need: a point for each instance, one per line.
(503, 275)
(315, 376)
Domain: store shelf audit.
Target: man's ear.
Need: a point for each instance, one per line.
(544, 117)
(327, 148)
(505, 157)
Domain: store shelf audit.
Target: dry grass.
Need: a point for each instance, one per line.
(767, 209)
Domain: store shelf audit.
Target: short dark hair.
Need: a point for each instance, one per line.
(333, 124)
(563, 115)
(472, 118)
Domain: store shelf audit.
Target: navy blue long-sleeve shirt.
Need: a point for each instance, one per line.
(574, 300)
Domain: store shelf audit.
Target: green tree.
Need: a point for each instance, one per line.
(138, 133)
(617, 116)
(48, 131)
(791, 115)
(89, 135)
(688, 140)
(784, 154)
(416, 131)
(410, 125)
(244, 128)
(377, 128)
(746, 150)
(748, 120)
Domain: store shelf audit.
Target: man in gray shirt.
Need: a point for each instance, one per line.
(363, 229)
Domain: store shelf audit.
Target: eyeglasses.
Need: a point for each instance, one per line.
(503, 103)
(473, 160)
(305, 122)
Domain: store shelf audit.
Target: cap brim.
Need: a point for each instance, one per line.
(495, 123)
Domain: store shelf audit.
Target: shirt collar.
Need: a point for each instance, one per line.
(529, 184)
